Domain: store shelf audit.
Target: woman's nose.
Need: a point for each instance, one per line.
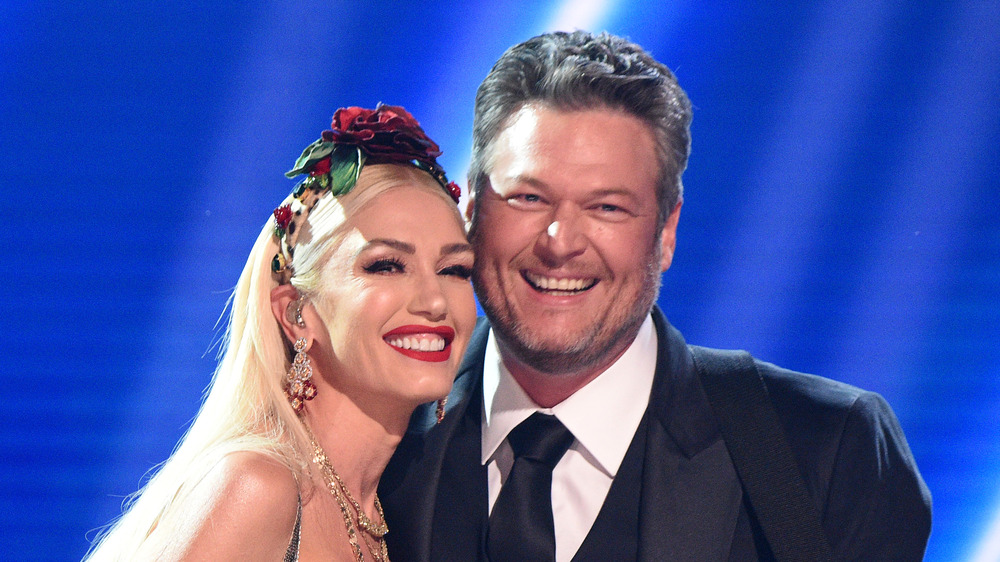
(428, 298)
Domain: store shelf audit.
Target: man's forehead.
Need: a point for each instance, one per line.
(521, 126)
(539, 140)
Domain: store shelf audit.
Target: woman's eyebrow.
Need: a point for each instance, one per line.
(395, 244)
(456, 248)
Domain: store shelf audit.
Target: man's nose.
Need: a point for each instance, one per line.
(564, 237)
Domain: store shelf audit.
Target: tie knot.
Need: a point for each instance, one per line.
(541, 438)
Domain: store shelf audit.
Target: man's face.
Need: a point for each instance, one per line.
(568, 256)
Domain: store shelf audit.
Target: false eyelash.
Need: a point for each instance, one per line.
(458, 270)
(385, 265)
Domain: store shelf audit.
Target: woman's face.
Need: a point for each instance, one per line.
(396, 300)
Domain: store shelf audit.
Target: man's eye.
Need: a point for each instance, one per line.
(610, 211)
(385, 266)
(524, 199)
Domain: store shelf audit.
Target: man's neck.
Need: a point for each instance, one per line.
(548, 389)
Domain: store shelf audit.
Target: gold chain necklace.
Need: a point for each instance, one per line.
(378, 549)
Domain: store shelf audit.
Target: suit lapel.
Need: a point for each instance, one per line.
(690, 493)
(689, 506)
(462, 504)
(462, 498)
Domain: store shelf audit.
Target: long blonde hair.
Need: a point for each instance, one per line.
(245, 408)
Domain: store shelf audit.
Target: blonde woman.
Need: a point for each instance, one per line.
(354, 307)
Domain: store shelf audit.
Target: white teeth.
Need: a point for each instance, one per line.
(419, 342)
(564, 284)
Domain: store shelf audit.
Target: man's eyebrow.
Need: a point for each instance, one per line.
(522, 179)
(528, 180)
(612, 191)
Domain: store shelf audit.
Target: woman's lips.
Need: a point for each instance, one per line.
(426, 343)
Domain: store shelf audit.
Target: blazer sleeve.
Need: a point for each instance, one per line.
(878, 506)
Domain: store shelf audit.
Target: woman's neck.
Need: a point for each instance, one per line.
(357, 442)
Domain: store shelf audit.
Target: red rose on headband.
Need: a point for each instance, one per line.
(387, 133)
(453, 190)
(322, 167)
(282, 216)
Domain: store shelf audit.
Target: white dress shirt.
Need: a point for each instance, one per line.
(603, 417)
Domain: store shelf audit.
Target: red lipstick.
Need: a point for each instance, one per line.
(445, 332)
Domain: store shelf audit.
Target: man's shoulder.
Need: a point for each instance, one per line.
(829, 423)
(816, 410)
(855, 458)
(793, 389)
(797, 397)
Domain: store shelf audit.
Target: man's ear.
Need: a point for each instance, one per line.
(668, 238)
(284, 306)
(470, 207)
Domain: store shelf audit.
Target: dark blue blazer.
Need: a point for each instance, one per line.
(848, 445)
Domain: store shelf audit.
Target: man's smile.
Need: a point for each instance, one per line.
(559, 285)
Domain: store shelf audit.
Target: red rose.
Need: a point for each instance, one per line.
(321, 168)
(453, 190)
(387, 134)
(282, 216)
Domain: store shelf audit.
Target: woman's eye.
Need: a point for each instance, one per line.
(385, 266)
(460, 271)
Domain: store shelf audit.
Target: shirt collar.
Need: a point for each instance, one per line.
(603, 415)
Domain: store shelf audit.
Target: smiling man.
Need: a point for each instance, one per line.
(581, 426)
(570, 245)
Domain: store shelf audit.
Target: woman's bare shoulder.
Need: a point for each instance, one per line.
(257, 486)
(245, 508)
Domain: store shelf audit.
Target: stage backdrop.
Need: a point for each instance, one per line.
(840, 212)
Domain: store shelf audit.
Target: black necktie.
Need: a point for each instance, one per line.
(521, 526)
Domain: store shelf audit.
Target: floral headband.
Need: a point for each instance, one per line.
(385, 135)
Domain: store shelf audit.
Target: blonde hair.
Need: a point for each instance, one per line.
(245, 408)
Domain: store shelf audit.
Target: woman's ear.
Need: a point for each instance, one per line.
(286, 306)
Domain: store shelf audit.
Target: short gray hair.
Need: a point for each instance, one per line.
(578, 71)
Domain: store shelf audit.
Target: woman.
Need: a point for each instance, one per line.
(353, 308)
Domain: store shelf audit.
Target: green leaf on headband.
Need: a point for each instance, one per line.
(345, 165)
(312, 154)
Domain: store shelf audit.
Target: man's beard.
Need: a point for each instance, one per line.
(598, 344)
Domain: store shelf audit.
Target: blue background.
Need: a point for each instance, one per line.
(840, 214)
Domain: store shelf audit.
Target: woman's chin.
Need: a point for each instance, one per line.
(432, 392)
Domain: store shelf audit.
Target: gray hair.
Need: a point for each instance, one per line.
(577, 71)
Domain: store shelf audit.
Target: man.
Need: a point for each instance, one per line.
(579, 146)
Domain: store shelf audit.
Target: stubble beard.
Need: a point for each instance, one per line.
(600, 343)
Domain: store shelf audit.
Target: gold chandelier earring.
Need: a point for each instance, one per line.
(440, 409)
(298, 384)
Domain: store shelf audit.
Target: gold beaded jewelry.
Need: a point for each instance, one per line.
(376, 545)
(298, 386)
(439, 412)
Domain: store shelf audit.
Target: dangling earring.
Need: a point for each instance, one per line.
(440, 408)
(298, 387)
